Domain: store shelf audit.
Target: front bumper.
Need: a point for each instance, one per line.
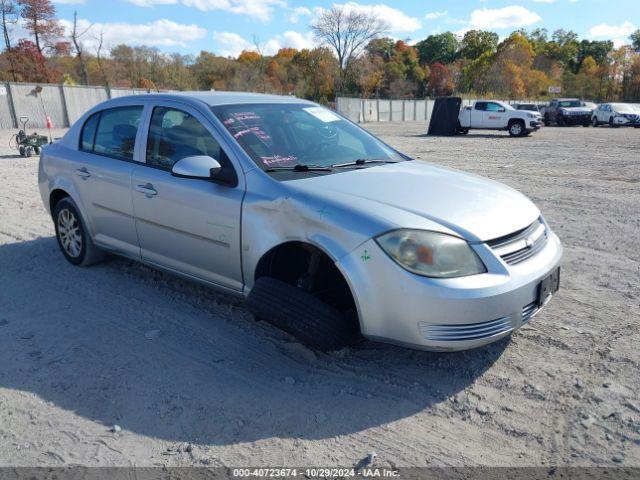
(577, 119)
(396, 306)
(535, 125)
(626, 122)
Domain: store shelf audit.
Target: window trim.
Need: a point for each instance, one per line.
(95, 135)
(152, 108)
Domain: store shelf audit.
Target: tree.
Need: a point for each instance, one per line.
(635, 40)
(75, 38)
(32, 65)
(440, 82)
(9, 12)
(441, 48)
(347, 31)
(476, 42)
(40, 20)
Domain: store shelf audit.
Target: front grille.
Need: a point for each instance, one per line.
(468, 331)
(521, 245)
(528, 311)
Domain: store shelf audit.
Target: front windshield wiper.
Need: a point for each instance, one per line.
(362, 161)
(299, 167)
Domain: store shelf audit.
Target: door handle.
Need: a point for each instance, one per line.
(147, 189)
(83, 173)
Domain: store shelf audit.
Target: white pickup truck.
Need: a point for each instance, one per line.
(495, 115)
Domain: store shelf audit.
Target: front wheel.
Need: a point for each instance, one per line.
(74, 242)
(516, 129)
(612, 124)
(301, 314)
(547, 122)
(594, 122)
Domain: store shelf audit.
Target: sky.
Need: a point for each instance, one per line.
(226, 27)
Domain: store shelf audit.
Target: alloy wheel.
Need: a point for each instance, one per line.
(70, 233)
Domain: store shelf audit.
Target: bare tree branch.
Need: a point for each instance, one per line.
(347, 31)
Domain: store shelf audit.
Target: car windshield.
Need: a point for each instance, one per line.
(289, 134)
(571, 103)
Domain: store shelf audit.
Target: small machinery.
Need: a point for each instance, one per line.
(26, 144)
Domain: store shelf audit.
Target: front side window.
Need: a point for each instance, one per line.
(175, 134)
(116, 132)
(494, 107)
(288, 134)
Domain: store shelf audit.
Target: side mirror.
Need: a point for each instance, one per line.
(502, 110)
(197, 166)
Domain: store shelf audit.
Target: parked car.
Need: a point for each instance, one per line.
(616, 115)
(328, 231)
(495, 115)
(566, 111)
(530, 107)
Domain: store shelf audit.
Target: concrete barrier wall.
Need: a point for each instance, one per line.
(64, 104)
(387, 110)
(81, 99)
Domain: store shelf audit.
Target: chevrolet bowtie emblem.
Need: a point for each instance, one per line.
(528, 242)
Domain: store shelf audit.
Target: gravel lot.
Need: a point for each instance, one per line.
(193, 379)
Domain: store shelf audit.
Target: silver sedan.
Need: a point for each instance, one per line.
(328, 232)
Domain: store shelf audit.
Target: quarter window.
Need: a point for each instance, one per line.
(174, 135)
(116, 132)
(89, 132)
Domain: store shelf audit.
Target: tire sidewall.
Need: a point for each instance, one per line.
(68, 204)
(520, 133)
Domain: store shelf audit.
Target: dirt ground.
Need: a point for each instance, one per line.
(192, 379)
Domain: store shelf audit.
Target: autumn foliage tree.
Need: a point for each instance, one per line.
(40, 20)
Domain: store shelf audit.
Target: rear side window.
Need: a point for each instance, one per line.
(89, 132)
(116, 132)
(481, 106)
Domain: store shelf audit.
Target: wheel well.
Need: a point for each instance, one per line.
(306, 266)
(515, 120)
(55, 197)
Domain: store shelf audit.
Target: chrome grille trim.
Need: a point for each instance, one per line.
(467, 331)
(528, 311)
(521, 245)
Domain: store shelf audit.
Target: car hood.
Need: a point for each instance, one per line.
(476, 208)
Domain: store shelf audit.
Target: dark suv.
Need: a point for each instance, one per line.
(567, 111)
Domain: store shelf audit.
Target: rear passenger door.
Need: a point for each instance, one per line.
(191, 226)
(477, 115)
(103, 176)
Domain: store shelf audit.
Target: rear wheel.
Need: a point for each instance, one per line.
(462, 131)
(74, 242)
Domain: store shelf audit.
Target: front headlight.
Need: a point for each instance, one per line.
(431, 254)
(532, 115)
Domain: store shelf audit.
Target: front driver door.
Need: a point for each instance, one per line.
(495, 115)
(191, 226)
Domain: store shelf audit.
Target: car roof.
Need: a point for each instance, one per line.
(220, 98)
